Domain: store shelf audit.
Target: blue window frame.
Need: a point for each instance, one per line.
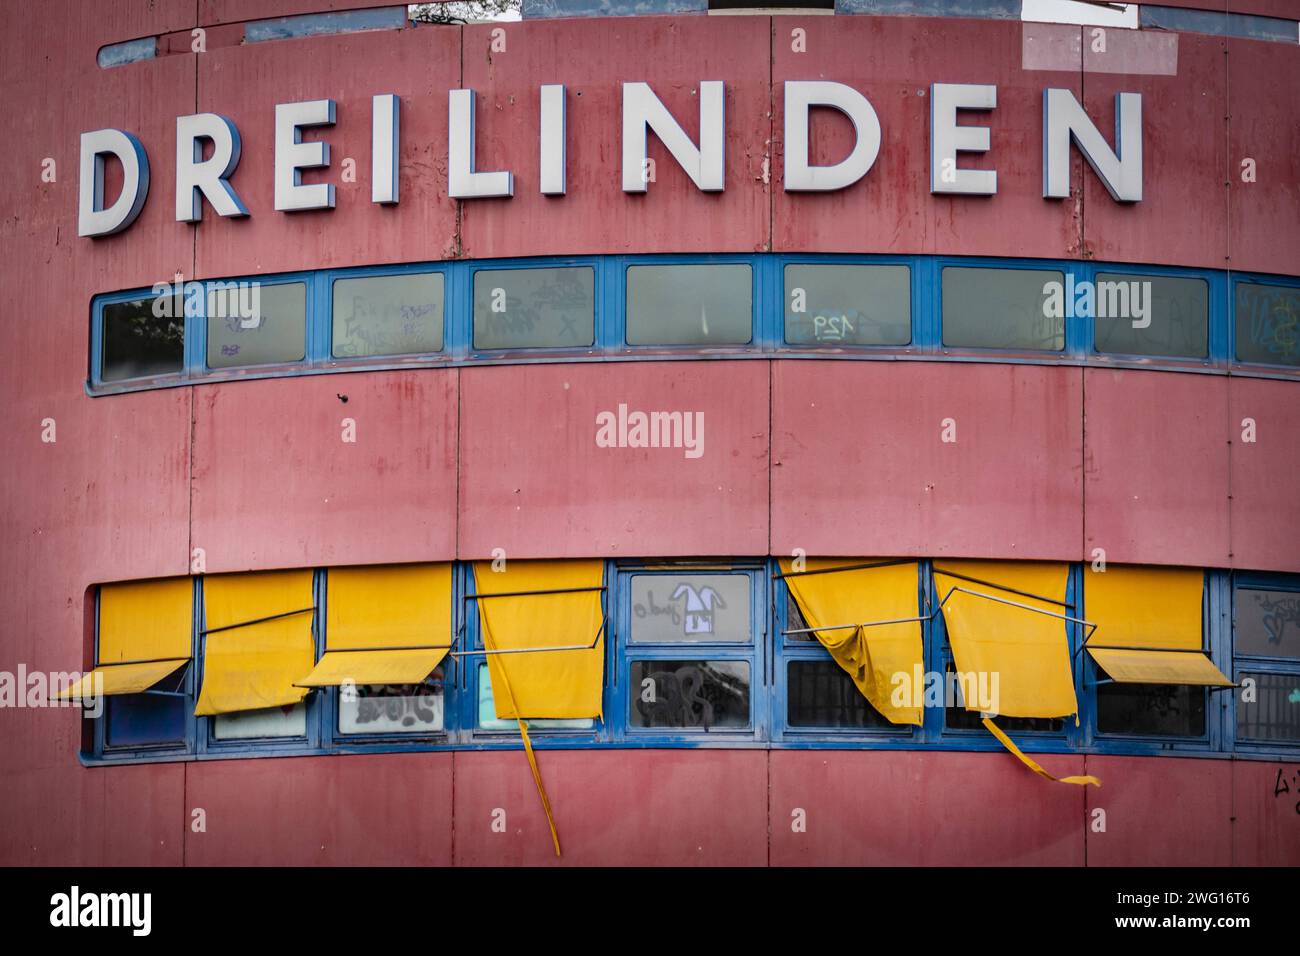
(392, 315)
(690, 648)
(1265, 714)
(1265, 326)
(1146, 718)
(157, 721)
(130, 354)
(551, 306)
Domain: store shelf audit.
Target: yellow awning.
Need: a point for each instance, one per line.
(144, 635)
(1018, 658)
(1159, 667)
(873, 656)
(373, 667)
(384, 624)
(255, 666)
(544, 684)
(1148, 624)
(122, 678)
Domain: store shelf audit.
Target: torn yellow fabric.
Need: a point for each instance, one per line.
(996, 731)
(545, 684)
(872, 656)
(1148, 621)
(370, 611)
(1022, 657)
(257, 665)
(144, 635)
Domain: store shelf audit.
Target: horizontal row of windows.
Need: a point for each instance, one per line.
(685, 654)
(612, 306)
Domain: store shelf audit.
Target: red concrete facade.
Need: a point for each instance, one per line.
(1052, 461)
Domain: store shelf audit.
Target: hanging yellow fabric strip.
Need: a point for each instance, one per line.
(873, 656)
(1006, 742)
(532, 763)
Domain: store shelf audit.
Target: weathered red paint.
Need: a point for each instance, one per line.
(1264, 476)
(865, 439)
(593, 57)
(244, 468)
(542, 488)
(1266, 813)
(1164, 811)
(908, 808)
(380, 809)
(660, 808)
(1156, 476)
(1183, 162)
(271, 455)
(244, 83)
(891, 209)
(1264, 215)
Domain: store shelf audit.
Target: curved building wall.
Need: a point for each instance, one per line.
(837, 457)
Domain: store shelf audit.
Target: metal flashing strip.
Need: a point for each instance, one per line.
(1245, 26)
(324, 24)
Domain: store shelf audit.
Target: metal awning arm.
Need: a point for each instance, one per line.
(537, 650)
(844, 627)
(1027, 607)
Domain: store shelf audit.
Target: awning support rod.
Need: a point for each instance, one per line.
(844, 627)
(260, 620)
(538, 650)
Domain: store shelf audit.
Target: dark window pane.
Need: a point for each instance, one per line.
(487, 712)
(689, 305)
(252, 323)
(138, 343)
(388, 315)
(848, 305)
(1000, 309)
(1275, 712)
(534, 308)
(1172, 710)
(1267, 623)
(794, 621)
(821, 694)
(141, 720)
(702, 695)
(393, 708)
(1175, 313)
(690, 607)
(1268, 324)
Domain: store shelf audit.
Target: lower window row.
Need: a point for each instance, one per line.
(900, 652)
